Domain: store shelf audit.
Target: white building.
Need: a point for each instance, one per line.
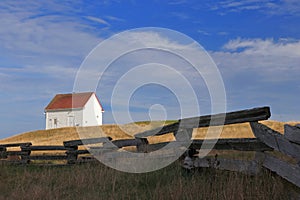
(77, 109)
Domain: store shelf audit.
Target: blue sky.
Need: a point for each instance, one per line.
(255, 44)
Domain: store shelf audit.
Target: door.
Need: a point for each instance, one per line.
(70, 120)
(55, 123)
(50, 124)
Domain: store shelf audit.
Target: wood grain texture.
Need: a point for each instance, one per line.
(249, 115)
(48, 157)
(275, 140)
(251, 167)
(292, 133)
(44, 148)
(241, 144)
(285, 170)
(16, 144)
(86, 141)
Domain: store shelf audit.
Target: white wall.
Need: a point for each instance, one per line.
(64, 118)
(92, 112)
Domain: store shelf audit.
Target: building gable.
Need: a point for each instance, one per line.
(69, 101)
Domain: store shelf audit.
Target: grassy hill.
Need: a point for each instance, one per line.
(57, 136)
(96, 181)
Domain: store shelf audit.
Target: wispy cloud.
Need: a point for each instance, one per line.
(29, 34)
(283, 47)
(270, 58)
(177, 2)
(42, 45)
(179, 70)
(203, 32)
(237, 6)
(42, 42)
(261, 72)
(97, 19)
(180, 15)
(270, 7)
(223, 33)
(113, 18)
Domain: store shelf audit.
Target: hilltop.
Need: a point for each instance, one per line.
(57, 136)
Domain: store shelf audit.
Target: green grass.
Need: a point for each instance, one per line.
(96, 181)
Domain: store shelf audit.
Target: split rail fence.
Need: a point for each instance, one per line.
(274, 151)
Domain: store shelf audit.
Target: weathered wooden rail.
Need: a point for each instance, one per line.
(4, 154)
(267, 142)
(25, 149)
(250, 115)
(274, 151)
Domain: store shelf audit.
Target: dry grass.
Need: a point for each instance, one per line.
(95, 181)
(57, 136)
(242, 130)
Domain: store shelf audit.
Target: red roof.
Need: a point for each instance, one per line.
(70, 101)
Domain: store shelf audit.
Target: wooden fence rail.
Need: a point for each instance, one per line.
(4, 153)
(266, 142)
(250, 115)
(285, 162)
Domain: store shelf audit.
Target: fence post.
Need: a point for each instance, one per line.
(142, 146)
(292, 133)
(183, 135)
(25, 156)
(71, 154)
(3, 152)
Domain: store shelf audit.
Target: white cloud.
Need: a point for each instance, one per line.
(42, 45)
(288, 7)
(113, 18)
(180, 15)
(177, 2)
(264, 55)
(233, 5)
(34, 34)
(36, 81)
(223, 33)
(166, 50)
(272, 7)
(267, 47)
(51, 71)
(260, 72)
(44, 36)
(99, 20)
(169, 78)
(203, 32)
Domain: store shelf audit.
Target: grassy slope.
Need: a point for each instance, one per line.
(95, 181)
(57, 136)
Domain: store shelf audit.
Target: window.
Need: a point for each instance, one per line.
(50, 123)
(55, 123)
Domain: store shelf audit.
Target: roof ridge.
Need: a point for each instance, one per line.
(70, 101)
